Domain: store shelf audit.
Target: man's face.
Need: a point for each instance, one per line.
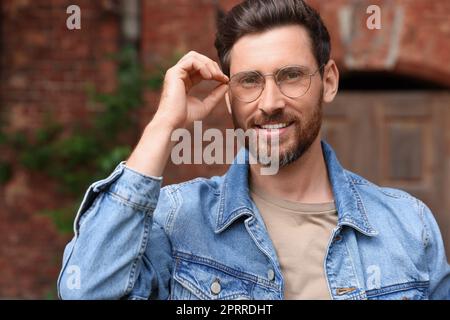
(268, 52)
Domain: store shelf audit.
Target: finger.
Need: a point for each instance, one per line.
(221, 72)
(213, 67)
(215, 96)
(197, 74)
(218, 75)
(194, 71)
(216, 72)
(200, 67)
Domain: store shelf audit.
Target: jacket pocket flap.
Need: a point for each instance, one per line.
(415, 290)
(211, 282)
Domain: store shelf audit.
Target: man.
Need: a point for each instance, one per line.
(311, 231)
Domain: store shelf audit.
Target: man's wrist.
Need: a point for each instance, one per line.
(152, 152)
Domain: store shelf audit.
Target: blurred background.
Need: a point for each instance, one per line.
(73, 104)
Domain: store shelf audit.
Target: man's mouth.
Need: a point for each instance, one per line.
(275, 125)
(274, 128)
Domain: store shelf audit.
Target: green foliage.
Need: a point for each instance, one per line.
(5, 171)
(51, 295)
(62, 217)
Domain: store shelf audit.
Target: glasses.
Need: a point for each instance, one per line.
(293, 82)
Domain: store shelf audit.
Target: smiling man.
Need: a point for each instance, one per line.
(312, 231)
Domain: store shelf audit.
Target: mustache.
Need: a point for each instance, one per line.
(272, 119)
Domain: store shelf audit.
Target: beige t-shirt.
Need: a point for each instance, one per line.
(300, 233)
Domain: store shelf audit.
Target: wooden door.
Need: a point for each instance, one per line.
(396, 139)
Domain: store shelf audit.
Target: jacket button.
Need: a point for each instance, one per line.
(215, 287)
(271, 274)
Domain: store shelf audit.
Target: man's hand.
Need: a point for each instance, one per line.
(177, 110)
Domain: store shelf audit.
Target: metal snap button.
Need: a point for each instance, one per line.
(216, 287)
(271, 274)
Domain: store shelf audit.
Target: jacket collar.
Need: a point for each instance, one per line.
(235, 197)
(349, 205)
(235, 194)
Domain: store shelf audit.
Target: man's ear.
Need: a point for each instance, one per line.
(227, 101)
(330, 81)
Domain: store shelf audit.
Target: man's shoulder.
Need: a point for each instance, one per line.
(194, 186)
(190, 194)
(188, 199)
(383, 192)
(387, 203)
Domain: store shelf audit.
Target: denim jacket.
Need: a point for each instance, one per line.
(205, 239)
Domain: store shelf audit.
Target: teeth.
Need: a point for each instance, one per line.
(275, 126)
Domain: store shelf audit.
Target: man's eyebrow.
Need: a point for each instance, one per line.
(302, 67)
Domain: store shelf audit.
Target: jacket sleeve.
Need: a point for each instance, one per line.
(118, 251)
(438, 266)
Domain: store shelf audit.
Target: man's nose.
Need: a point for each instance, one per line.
(272, 100)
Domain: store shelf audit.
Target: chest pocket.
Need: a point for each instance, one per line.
(194, 280)
(417, 290)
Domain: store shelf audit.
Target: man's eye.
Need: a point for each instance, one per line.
(248, 81)
(291, 75)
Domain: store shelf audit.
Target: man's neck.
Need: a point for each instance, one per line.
(305, 180)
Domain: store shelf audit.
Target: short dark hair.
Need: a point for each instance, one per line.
(254, 16)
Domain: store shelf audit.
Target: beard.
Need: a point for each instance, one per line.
(304, 132)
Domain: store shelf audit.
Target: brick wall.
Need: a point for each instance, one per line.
(44, 68)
